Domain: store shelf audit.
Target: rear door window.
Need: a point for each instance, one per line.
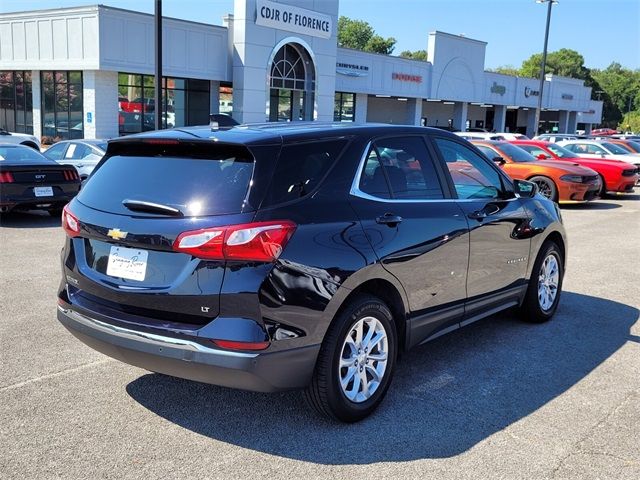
(56, 152)
(403, 166)
(472, 175)
(300, 169)
(195, 180)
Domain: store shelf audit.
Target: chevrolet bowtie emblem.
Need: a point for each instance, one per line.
(117, 234)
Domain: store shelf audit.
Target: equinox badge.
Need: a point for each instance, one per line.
(117, 234)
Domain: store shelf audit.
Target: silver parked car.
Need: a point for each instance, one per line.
(84, 155)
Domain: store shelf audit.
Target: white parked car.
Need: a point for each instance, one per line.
(84, 155)
(19, 139)
(491, 136)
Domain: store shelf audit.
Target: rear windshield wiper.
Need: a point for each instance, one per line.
(142, 206)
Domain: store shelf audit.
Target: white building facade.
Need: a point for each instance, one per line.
(88, 72)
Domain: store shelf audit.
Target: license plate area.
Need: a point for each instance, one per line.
(43, 191)
(128, 263)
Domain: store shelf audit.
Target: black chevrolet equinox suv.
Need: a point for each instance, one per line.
(303, 256)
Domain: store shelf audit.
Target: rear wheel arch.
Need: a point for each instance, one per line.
(556, 238)
(390, 295)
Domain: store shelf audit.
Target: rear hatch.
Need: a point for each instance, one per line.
(139, 200)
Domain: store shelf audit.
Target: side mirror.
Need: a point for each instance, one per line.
(525, 189)
(541, 156)
(499, 160)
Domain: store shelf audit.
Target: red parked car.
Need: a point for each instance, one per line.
(603, 131)
(615, 175)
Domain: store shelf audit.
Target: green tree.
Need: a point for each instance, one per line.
(630, 122)
(565, 62)
(417, 55)
(360, 35)
(506, 70)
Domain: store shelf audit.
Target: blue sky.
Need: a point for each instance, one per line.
(601, 30)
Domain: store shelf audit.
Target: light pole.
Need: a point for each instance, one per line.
(544, 60)
(158, 58)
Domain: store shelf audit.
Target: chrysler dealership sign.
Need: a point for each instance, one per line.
(293, 19)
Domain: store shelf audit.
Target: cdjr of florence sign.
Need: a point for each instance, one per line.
(293, 19)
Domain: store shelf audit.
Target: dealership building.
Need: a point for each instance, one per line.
(88, 72)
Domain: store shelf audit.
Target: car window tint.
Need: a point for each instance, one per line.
(55, 152)
(372, 179)
(489, 152)
(406, 165)
(200, 180)
(21, 153)
(301, 167)
(535, 151)
(593, 149)
(473, 176)
(76, 151)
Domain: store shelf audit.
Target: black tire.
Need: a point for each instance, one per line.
(531, 310)
(55, 212)
(603, 188)
(546, 187)
(325, 394)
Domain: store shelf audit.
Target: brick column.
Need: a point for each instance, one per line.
(36, 99)
(360, 114)
(414, 111)
(100, 103)
(460, 116)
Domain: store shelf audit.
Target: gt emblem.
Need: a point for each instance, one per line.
(116, 234)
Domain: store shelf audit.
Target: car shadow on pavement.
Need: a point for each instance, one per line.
(446, 397)
(30, 219)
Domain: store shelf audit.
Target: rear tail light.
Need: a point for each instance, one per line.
(233, 345)
(70, 223)
(260, 241)
(6, 177)
(70, 175)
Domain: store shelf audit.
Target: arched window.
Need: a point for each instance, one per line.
(292, 84)
(290, 70)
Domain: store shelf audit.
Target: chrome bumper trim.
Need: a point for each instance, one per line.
(149, 338)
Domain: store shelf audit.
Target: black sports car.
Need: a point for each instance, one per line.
(29, 180)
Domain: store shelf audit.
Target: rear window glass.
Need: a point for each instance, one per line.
(300, 169)
(213, 185)
(19, 154)
(516, 154)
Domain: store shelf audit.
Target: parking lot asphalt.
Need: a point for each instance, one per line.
(498, 399)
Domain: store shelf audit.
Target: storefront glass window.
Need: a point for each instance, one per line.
(344, 107)
(226, 100)
(62, 109)
(16, 107)
(184, 102)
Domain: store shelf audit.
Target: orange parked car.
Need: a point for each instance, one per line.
(632, 145)
(559, 181)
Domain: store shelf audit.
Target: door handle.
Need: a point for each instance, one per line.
(484, 212)
(389, 219)
(478, 215)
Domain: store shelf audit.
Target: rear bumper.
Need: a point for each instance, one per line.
(30, 202)
(186, 358)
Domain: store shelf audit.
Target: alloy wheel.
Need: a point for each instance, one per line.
(363, 359)
(548, 282)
